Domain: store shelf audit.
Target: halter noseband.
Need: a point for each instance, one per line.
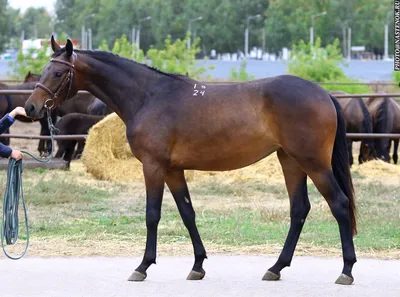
(66, 80)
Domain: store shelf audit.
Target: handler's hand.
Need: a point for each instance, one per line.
(17, 155)
(18, 111)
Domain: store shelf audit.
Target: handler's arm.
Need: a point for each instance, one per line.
(6, 122)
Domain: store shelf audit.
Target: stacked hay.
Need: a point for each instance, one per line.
(107, 156)
(377, 170)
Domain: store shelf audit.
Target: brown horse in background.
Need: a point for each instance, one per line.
(358, 120)
(385, 113)
(174, 123)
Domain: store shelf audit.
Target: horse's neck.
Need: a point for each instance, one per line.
(125, 94)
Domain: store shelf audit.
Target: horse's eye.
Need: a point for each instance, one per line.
(58, 74)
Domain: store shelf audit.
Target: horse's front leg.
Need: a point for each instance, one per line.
(177, 184)
(154, 178)
(44, 131)
(395, 149)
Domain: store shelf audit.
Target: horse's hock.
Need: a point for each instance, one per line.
(107, 156)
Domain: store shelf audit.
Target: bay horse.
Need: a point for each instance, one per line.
(73, 124)
(174, 123)
(385, 113)
(358, 120)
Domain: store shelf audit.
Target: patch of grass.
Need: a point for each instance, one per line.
(65, 206)
(56, 191)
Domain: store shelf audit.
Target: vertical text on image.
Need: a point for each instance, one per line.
(397, 35)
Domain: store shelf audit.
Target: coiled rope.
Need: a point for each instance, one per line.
(14, 193)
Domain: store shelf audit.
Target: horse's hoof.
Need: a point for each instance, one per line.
(344, 280)
(270, 276)
(137, 276)
(195, 275)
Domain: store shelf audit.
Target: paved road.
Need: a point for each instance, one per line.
(226, 276)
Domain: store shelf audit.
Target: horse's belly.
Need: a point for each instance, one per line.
(223, 155)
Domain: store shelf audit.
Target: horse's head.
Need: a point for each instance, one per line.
(30, 77)
(57, 83)
(367, 151)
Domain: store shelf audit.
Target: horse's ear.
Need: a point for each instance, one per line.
(69, 48)
(54, 45)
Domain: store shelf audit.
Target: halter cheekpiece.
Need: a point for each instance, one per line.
(66, 80)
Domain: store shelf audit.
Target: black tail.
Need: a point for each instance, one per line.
(384, 124)
(340, 164)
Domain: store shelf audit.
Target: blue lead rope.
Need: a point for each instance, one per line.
(14, 193)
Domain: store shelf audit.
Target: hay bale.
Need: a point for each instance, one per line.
(377, 170)
(107, 156)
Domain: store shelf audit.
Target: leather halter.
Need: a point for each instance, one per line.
(66, 80)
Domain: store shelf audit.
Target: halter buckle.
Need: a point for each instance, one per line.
(46, 104)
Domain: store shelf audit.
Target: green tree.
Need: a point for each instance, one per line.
(36, 23)
(33, 60)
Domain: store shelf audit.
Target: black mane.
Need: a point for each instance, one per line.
(118, 61)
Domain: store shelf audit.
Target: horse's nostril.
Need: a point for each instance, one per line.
(30, 109)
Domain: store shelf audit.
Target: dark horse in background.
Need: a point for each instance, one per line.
(174, 123)
(9, 102)
(74, 124)
(358, 120)
(385, 113)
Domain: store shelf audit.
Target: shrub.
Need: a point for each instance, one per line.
(319, 64)
(242, 74)
(176, 58)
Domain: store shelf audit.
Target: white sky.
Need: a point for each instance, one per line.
(24, 4)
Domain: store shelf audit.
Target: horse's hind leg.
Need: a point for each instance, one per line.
(395, 149)
(296, 184)
(177, 184)
(328, 186)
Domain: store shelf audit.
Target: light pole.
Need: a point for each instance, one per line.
(190, 29)
(138, 31)
(83, 33)
(246, 34)
(386, 53)
(312, 25)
